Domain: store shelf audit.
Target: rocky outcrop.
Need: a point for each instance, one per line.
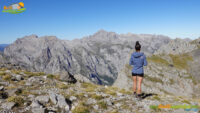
(161, 79)
(177, 46)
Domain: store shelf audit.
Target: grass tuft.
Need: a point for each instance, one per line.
(102, 104)
(81, 108)
(16, 99)
(153, 79)
(158, 59)
(180, 61)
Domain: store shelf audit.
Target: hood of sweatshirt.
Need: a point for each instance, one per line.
(137, 54)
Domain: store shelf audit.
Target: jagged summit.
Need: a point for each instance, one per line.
(102, 34)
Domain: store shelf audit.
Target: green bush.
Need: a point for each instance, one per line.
(16, 99)
(51, 76)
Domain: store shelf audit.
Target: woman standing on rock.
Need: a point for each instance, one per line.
(138, 60)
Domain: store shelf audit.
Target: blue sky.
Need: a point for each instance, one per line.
(69, 19)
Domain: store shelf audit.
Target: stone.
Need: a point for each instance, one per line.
(35, 104)
(72, 98)
(91, 101)
(19, 77)
(38, 110)
(67, 77)
(61, 101)
(53, 97)
(8, 105)
(8, 71)
(96, 107)
(1, 88)
(42, 99)
(118, 104)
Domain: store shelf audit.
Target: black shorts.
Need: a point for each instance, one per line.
(140, 75)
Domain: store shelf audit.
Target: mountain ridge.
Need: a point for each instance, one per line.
(3, 46)
(43, 53)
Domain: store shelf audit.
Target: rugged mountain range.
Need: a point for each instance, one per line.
(99, 57)
(102, 58)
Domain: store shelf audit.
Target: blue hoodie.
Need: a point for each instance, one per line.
(138, 60)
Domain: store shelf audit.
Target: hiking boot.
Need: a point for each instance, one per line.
(135, 94)
(139, 97)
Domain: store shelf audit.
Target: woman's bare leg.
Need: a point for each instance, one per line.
(139, 81)
(134, 83)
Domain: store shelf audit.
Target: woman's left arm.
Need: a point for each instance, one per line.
(131, 60)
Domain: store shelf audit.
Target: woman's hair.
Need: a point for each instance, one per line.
(137, 46)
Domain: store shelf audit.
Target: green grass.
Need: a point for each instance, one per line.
(102, 104)
(7, 77)
(158, 59)
(30, 74)
(128, 66)
(186, 101)
(81, 108)
(165, 92)
(171, 81)
(79, 95)
(88, 87)
(156, 98)
(123, 91)
(97, 97)
(62, 86)
(51, 76)
(113, 111)
(153, 79)
(2, 73)
(192, 78)
(16, 99)
(160, 74)
(127, 70)
(110, 90)
(180, 61)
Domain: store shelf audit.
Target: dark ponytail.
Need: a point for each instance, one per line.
(137, 46)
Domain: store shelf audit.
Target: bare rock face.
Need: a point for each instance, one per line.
(2, 60)
(98, 57)
(177, 46)
(67, 77)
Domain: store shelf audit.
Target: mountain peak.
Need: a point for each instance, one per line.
(104, 34)
(31, 36)
(101, 31)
